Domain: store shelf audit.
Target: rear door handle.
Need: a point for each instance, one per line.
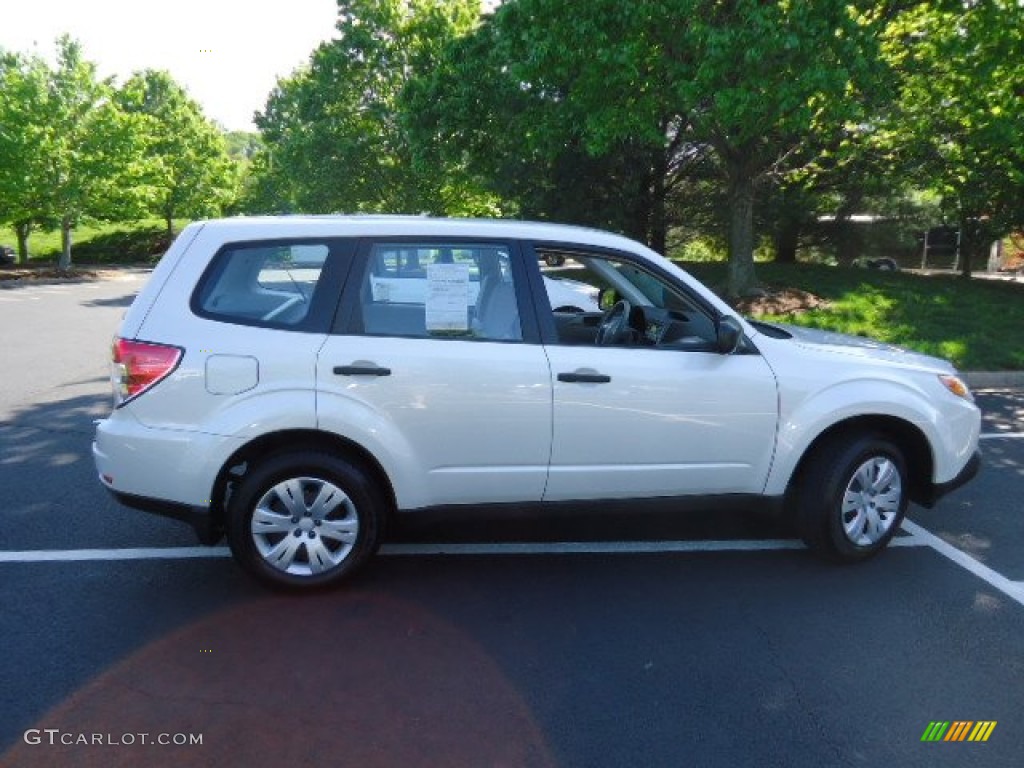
(361, 370)
(582, 377)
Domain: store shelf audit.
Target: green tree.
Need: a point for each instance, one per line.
(959, 128)
(333, 135)
(91, 156)
(759, 85)
(242, 146)
(24, 87)
(246, 150)
(188, 171)
(474, 116)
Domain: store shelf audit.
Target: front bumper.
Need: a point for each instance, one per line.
(938, 490)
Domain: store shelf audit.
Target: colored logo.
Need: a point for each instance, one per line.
(959, 730)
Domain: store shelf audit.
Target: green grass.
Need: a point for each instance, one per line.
(978, 324)
(117, 243)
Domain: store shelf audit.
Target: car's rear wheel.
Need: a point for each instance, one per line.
(851, 497)
(304, 519)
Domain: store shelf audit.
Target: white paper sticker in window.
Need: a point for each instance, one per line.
(380, 289)
(448, 297)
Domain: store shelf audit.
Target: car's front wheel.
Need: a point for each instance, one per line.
(304, 519)
(851, 497)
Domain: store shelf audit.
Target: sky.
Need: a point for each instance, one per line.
(227, 54)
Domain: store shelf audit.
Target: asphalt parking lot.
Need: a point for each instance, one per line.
(583, 639)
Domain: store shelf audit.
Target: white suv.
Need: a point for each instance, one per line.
(296, 382)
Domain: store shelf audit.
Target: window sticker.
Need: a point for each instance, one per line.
(447, 307)
(380, 288)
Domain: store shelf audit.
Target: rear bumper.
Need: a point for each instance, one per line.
(938, 490)
(170, 473)
(203, 523)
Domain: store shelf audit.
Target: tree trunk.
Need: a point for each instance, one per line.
(742, 279)
(638, 212)
(846, 236)
(64, 264)
(659, 226)
(787, 238)
(847, 245)
(169, 219)
(965, 246)
(22, 230)
(634, 217)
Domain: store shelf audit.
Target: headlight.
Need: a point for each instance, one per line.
(956, 385)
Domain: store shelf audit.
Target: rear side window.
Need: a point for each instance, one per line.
(273, 284)
(439, 290)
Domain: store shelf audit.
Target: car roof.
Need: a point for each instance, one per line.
(373, 225)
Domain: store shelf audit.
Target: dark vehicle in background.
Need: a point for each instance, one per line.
(885, 264)
(7, 254)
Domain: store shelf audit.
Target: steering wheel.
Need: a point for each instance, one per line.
(614, 327)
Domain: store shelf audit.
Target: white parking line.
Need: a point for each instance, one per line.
(1012, 589)
(918, 537)
(998, 435)
(461, 548)
(71, 555)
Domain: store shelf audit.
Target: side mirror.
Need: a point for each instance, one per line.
(730, 334)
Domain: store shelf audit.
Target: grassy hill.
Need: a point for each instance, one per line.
(118, 243)
(977, 323)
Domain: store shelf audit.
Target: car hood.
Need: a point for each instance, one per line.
(858, 346)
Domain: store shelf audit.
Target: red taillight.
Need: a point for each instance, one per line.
(138, 365)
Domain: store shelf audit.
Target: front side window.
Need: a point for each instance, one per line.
(607, 301)
(263, 283)
(464, 291)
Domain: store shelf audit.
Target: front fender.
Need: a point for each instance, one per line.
(804, 419)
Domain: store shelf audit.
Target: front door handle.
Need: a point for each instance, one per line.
(584, 377)
(361, 370)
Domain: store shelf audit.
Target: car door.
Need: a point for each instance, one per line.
(659, 413)
(436, 369)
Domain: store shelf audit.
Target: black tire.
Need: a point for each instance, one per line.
(873, 470)
(337, 524)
